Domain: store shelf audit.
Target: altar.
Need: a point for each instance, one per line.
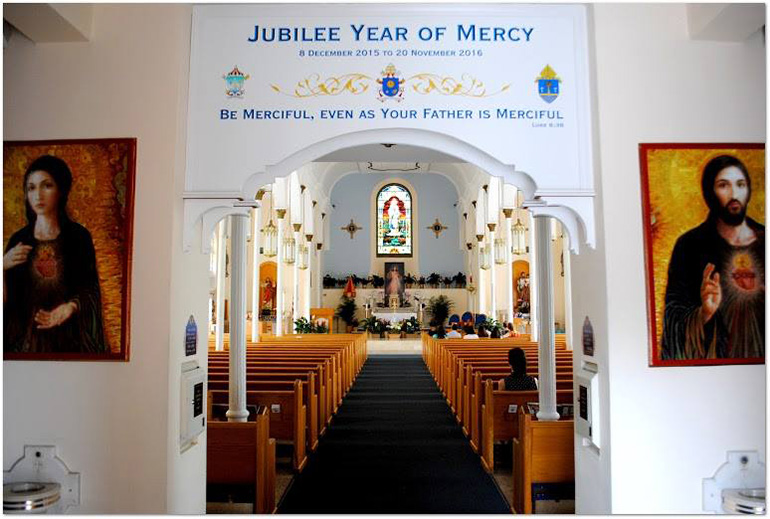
(394, 315)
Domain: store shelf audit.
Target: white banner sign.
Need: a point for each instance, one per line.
(268, 81)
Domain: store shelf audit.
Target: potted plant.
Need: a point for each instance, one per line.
(434, 280)
(378, 281)
(302, 325)
(409, 280)
(421, 281)
(381, 327)
(459, 280)
(491, 324)
(319, 328)
(412, 326)
(447, 282)
(346, 311)
(439, 307)
(369, 325)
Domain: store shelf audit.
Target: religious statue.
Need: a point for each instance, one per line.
(522, 289)
(268, 294)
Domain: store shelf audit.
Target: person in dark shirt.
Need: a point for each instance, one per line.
(518, 380)
(715, 293)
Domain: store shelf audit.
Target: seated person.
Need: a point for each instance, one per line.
(510, 331)
(495, 334)
(455, 333)
(518, 380)
(469, 332)
(483, 332)
(440, 332)
(506, 331)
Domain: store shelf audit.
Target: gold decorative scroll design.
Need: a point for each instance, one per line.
(313, 86)
(426, 83)
(467, 86)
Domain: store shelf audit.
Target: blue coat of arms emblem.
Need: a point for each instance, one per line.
(548, 84)
(391, 86)
(234, 82)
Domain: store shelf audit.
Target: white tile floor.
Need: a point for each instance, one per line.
(394, 346)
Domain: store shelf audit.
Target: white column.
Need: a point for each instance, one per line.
(492, 274)
(481, 282)
(318, 276)
(237, 385)
(567, 292)
(255, 277)
(547, 346)
(221, 266)
(295, 311)
(533, 280)
(308, 277)
(468, 273)
(279, 276)
(509, 263)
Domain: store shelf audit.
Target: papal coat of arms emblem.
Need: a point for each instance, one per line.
(548, 84)
(391, 86)
(234, 81)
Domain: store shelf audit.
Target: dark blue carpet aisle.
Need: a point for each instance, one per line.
(394, 447)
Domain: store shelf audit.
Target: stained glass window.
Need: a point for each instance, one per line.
(394, 221)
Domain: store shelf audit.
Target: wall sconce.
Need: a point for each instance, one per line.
(519, 237)
(289, 251)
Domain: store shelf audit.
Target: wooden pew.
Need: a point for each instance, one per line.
(500, 422)
(281, 382)
(543, 453)
(474, 395)
(243, 453)
(287, 425)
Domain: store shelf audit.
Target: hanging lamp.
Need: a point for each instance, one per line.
(519, 237)
(303, 257)
(289, 251)
(270, 247)
(500, 251)
(485, 254)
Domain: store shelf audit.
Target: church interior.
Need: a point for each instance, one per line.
(281, 346)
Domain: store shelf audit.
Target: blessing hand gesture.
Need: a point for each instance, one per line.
(710, 293)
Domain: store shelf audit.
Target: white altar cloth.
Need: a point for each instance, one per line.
(393, 316)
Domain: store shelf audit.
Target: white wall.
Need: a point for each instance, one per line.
(670, 427)
(109, 421)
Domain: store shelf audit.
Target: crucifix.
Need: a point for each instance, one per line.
(437, 227)
(351, 228)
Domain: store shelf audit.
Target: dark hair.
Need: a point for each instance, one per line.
(518, 361)
(495, 333)
(454, 326)
(469, 329)
(61, 175)
(710, 173)
(440, 332)
(483, 331)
